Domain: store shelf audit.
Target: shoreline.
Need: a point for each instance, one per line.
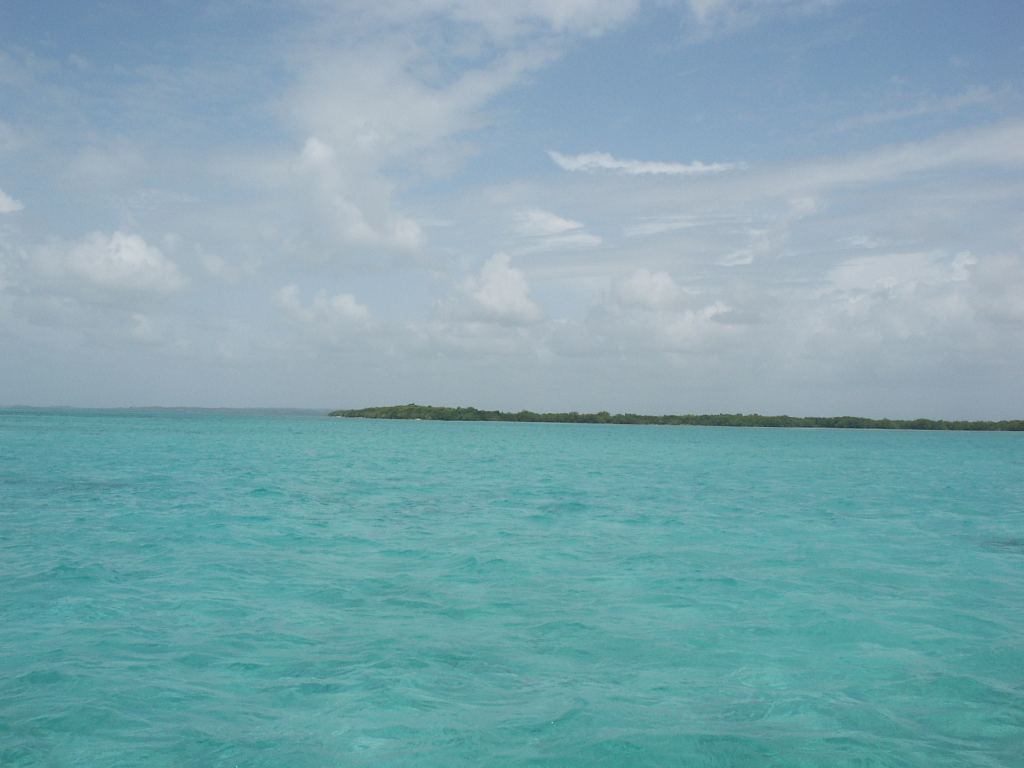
(413, 412)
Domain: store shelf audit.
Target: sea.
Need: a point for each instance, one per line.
(285, 590)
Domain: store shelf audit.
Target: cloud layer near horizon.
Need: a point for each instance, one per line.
(450, 201)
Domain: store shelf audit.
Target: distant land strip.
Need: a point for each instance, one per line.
(433, 413)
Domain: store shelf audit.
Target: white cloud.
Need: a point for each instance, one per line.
(87, 295)
(388, 90)
(927, 105)
(931, 301)
(150, 200)
(728, 14)
(537, 223)
(648, 312)
(646, 315)
(694, 330)
(380, 97)
(145, 329)
(795, 270)
(220, 268)
(602, 161)
(382, 102)
(993, 146)
(510, 18)
(10, 140)
(769, 241)
(123, 262)
(573, 240)
(902, 272)
(545, 231)
(107, 166)
(337, 322)
(8, 204)
(325, 312)
(955, 190)
(500, 294)
(998, 282)
(856, 273)
(354, 205)
(650, 290)
(656, 225)
(102, 265)
(513, 18)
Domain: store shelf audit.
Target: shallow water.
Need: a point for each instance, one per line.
(238, 590)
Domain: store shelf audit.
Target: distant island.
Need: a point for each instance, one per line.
(433, 413)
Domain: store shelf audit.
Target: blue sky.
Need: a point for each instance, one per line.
(813, 207)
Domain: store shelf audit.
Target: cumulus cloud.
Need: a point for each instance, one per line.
(105, 266)
(501, 294)
(328, 312)
(8, 204)
(695, 330)
(217, 267)
(327, 322)
(930, 306)
(389, 90)
(392, 88)
(650, 290)
(602, 161)
(123, 262)
(769, 240)
(627, 323)
(808, 270)
(648, 312)
(803, 267)
(103, 288)
(894, 315)
(903, 272)
(354, 204)
(399, 96)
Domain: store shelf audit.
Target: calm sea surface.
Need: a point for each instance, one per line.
(240, 590)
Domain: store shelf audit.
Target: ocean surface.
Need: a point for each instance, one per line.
(262, 590)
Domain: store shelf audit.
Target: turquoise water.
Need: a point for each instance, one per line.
(237, 590)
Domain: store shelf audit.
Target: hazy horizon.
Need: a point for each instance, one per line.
(798, 207)
(319, 412)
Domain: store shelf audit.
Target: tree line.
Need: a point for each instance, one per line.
(435, 413)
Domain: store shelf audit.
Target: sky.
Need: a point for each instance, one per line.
(809, 207)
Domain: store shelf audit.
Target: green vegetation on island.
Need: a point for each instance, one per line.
(433, 413)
